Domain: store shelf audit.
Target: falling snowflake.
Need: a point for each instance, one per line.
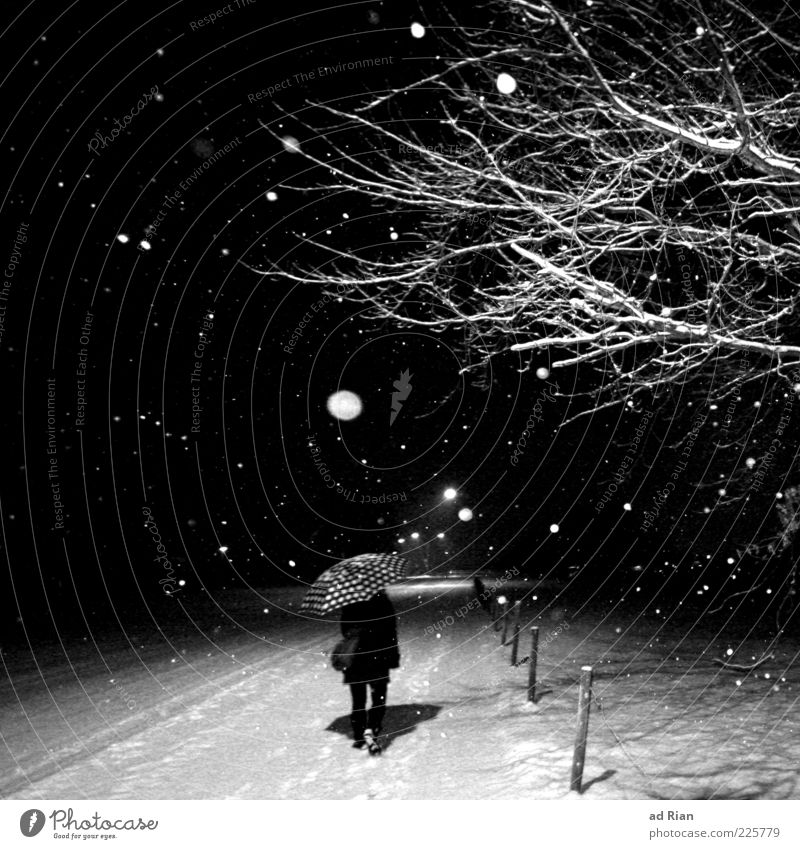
(506, 84)
(203, 148)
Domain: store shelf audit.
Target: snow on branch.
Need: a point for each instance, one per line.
(630, 206)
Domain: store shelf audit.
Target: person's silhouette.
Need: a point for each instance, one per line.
(374, 624)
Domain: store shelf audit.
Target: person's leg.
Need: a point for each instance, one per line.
(378, 707)
(358, 717)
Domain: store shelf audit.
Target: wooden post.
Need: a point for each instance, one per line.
(503, 639)
(584, 704)
(497, 613)
(515, 636)
(532, 666)
(480, 594)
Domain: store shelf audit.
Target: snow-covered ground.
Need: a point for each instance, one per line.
(244, 705)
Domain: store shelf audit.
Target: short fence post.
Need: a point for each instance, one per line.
(532, 667)
(584, 704)
(515, 635)
(497, 614)
(504, 638)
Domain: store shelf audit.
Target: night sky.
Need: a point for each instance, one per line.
(152, 374)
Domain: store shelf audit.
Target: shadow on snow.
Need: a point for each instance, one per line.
(399, 720)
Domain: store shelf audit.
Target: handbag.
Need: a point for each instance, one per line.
(344, 653)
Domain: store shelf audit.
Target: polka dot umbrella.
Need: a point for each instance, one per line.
(355, 579)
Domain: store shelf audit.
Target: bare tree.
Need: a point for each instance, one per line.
(611, 190)
(616, 187)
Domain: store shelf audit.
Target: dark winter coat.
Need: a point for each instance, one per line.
(375, 624)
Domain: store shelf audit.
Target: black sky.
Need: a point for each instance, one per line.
(186, 321)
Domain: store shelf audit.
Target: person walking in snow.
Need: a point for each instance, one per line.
(372, 625)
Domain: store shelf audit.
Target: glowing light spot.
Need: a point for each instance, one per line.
(417, 30)
(272, 195)
(123, 238)
(465, 514)
(506, 84)
(290, 144)
(542, 373)
(344, 405)
(554, 529)
(450, 493)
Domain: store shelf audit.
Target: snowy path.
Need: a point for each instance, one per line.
(267, 719)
